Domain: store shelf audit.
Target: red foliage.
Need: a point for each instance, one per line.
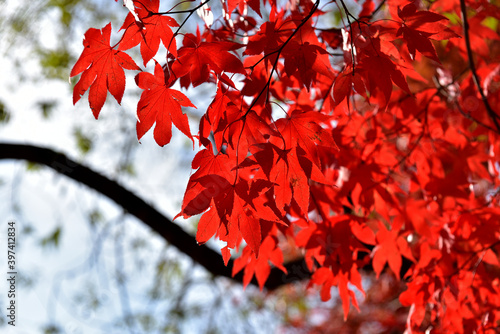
(370, 144)
(156, 98)
(102, 68)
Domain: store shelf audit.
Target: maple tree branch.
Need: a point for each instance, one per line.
(494, 116)
(379, 7)
(474, 254)
(444, 89)
(347, 14)
(134, 205)
(375, 11)
(468, 116)
(190, 11)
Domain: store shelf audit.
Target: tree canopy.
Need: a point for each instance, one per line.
(342, 137)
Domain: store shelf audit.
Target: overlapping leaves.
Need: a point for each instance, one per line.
(413, 183)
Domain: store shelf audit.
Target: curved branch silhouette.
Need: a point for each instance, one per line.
(134, 205)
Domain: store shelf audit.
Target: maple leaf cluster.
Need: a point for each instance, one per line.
(371, 143)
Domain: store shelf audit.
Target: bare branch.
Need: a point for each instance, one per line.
(134, 205)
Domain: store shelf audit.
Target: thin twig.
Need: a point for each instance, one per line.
(191, 12)
(494, 117)
(375, 11)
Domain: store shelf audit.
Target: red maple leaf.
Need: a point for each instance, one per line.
(197, 58)
(344, 84)
(162, 105)
(152, 29)
(326, 278)
(289, 176)
(259, 266)
(419, 27)
(208, 225)
(231, 211)
(235, 206)
(270, 38)
(232, 4)
(198, 197)
(305, 61)
(390, 247)
(303, 128)
(380, 73)
(289, 171)
(102, 68)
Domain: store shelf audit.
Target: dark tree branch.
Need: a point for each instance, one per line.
(494, 116)
(134, 205)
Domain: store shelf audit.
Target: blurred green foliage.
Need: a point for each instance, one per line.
(4, 113)
(52, 239)
(83, 142)
(56, 64)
